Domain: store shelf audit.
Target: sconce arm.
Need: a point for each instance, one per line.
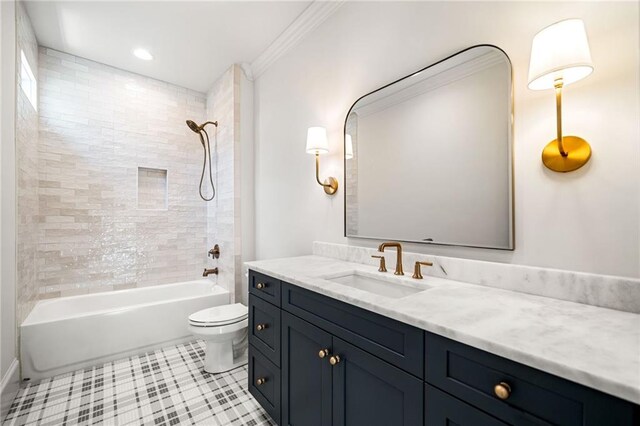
(331, 185)
(558, 86)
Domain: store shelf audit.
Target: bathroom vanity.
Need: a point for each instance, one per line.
(317, 358)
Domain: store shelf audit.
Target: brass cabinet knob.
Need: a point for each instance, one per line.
(261, 327)
(261, 381)
(334, 360)
(260, 286)
(323, 353)
(502, 390)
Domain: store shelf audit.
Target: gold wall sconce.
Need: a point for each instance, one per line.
(318, 144)
(560, 56)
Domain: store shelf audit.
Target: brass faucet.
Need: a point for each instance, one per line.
(208, 272)
(417, 272)
(398, 247)
(383, 265)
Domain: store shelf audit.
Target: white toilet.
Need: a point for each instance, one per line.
(224, 330)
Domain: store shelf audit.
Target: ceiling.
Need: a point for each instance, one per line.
(193, 43)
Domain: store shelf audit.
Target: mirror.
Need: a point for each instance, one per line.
(428, 158)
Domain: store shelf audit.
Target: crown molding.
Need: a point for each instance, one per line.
(307, 21)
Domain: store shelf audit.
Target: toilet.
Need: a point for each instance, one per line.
(224, 330)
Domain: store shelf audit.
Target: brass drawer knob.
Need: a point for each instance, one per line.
(502, 390)
(334, 360)
(260, 286)
(261, 381)
(261, 327)
(323, 353)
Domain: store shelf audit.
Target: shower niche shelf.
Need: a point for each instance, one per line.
(152, 189)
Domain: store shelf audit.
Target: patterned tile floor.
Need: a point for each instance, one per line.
(165, 387)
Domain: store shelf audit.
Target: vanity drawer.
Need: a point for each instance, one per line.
(397, 343)
(533, 398)
(441, 409)
(264, 287)
(264, 383)
(264, 328)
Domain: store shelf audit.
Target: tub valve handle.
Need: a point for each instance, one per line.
(214, 253)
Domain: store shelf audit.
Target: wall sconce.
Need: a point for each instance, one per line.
(348, 147)
(560, 56)
(317, 144)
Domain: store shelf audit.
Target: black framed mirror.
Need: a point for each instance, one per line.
(428, 157)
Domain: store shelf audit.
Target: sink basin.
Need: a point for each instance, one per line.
(391, 287)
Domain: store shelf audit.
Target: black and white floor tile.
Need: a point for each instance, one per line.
(165, 387)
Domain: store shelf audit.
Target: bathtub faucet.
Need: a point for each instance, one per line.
(208, 272)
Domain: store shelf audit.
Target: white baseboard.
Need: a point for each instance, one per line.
(9, 388)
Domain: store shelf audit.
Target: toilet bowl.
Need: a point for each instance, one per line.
(224, 330)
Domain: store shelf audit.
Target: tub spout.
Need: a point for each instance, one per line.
(208, 272)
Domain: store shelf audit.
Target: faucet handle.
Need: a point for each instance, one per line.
(214, 253)
(417, 273)
(383, 264)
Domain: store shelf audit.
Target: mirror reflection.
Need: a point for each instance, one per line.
(428, 158)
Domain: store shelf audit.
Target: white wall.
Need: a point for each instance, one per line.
(8, 346)
(588, 220)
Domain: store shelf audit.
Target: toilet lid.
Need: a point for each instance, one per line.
(219, 315)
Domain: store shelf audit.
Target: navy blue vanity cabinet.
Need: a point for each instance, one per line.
(397, 343)
(306, 378)
(369, 391)
(317, 361)
(265, 377)
(441, 409)
(264, 287)
(265, 383)
(514, 393)
(327, 381)
(264, 328)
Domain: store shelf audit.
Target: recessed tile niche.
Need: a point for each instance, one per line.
(152, 189)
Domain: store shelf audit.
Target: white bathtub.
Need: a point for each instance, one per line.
(71, 333)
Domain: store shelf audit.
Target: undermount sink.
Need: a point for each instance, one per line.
(392, 287)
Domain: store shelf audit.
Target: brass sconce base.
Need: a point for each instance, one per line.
(578, 154)
(330, 185)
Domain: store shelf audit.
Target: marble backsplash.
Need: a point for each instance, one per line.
(619, 293)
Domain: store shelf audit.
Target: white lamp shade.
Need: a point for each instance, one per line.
(559, 51)
(317, 142)
(348, 147)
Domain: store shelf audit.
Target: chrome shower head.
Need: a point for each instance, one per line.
(193, 126)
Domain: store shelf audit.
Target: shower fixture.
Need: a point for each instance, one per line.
(207, 154)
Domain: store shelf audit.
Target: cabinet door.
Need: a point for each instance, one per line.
(306, 378)
(369, 391)
(442, 409)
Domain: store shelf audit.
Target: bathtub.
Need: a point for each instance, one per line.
(71, 333)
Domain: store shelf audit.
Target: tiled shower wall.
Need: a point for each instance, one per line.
(223, 105)
(98, 127)
(27, 173)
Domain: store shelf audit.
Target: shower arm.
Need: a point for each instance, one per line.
(215, 123)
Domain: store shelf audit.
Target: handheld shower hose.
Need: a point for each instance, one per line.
(207, 155)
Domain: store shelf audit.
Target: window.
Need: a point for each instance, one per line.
(28, 81)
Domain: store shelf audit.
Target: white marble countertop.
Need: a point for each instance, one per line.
(596, 347)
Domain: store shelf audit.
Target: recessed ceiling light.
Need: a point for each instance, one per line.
(143, 54)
